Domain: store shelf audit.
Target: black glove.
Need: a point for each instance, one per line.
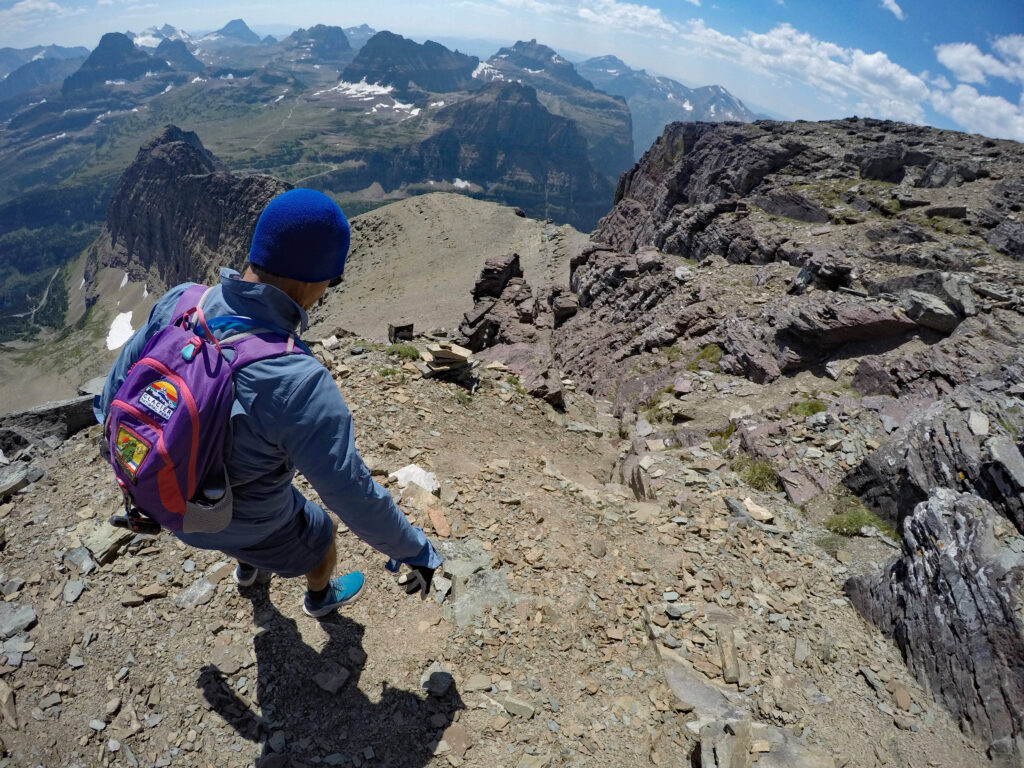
(417, 579)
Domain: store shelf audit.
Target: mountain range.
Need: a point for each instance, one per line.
(366, 116)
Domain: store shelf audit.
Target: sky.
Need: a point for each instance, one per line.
(946, 63)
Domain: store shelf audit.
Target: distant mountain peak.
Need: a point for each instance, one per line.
(390, 59)
(535, 58)
(237, 29)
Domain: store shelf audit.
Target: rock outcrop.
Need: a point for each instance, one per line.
(950, 603)
(177, 215)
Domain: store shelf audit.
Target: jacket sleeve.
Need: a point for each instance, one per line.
(315, 428)
(159, 316)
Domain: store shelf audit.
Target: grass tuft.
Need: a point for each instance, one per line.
(405, 351)
(757, 473)
(710, 354)
(806, 408)
(851, 516)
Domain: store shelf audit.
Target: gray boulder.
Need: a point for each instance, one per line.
(929, 312)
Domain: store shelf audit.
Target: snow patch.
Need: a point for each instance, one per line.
(168, 88)
(280, 97)
(198, 80)
(120, 331)
(361, 90)
(487, 73)
(228, 76)
(147, 41)
(437, 104)
(82, 284)
(461, 184)
(145, 291)
(59, 136)
(533, 71)
(124, 281)
(115, 82)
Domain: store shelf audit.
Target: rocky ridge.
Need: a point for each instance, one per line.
(835, 304)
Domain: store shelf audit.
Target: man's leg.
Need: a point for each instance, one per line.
(324, 593)
(319, 577)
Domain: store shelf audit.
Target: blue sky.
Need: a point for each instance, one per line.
(941, 62)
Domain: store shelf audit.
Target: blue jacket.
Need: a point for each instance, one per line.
(288, 414)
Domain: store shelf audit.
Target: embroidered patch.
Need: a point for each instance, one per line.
(132, 450)
(160, 398)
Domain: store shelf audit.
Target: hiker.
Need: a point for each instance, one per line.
(287, 415)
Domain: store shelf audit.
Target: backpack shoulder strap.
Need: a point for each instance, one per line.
(193, 297)
(261, 344)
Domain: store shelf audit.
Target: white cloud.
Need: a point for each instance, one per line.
(970, 65)
(26, 13)
(623, 16)
(890, 5)
(851, 78)
(978, 113)
(1011, 48)
(615, 15)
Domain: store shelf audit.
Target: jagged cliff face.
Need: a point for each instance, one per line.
(390, 59)
(507, 148)
(177, 215)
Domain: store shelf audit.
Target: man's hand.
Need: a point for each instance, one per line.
(417, 579)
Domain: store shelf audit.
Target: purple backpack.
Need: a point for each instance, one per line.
(168, 421)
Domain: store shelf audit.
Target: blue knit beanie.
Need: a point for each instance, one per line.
(301, 234)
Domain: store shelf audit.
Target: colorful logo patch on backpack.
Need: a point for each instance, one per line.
(132, 450)
(160, 398)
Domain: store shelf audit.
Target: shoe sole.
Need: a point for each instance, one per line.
(319, 613)
(247, 582)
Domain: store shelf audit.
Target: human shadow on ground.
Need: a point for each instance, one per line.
(300, 720)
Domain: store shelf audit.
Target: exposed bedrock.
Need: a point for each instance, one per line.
(950, 601)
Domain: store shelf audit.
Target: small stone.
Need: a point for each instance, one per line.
(458, 738)
(198, 593)
(670, 597)
(73, 590)
(598, 548)
(518, 707)
(534, 761)
(97, 725)
(112, 706)
(113, 745)
(436, 680)
(844, 556)
(477, 682)
(130, 601)
(188, 566)
(152, 592)
(81, 559)
(277, 741)
(331, 680)
(901, 696)
(7, 705)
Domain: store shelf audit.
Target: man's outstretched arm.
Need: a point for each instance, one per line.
(315, 428)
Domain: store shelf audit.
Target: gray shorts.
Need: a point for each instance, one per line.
(296, 549)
